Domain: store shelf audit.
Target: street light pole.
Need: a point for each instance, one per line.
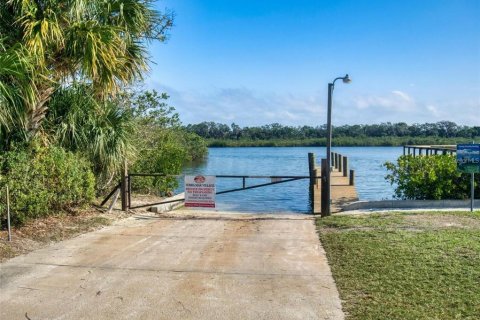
(328, 196)
(329, 148)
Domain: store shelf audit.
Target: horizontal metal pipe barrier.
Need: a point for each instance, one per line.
(217, 176)
(288, 179)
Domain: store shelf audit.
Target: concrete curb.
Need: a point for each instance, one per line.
(165, 207)
(410, 204)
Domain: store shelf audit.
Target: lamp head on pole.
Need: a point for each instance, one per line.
(345, 79)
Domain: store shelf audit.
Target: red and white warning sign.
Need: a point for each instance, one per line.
(200, 191)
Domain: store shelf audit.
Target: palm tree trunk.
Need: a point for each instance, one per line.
(39, 111)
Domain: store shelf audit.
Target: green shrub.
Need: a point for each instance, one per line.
(165, 153)
(429, 178)
(161, 144)
(196, 146)
(43, 181)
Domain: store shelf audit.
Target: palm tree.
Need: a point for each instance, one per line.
(51, 48)
(101, 42)
(101, 130)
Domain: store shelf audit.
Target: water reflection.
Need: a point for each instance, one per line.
(291, 196)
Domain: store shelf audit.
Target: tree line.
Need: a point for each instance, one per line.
(442, 129)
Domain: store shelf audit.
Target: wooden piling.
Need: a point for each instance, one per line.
(311, 173)
(341, 192)
(340, 163)
(351, 180)
(323, 189)
(317, 174)
(311, 168)
(345, 166)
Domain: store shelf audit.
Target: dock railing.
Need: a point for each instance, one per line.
(428, 150)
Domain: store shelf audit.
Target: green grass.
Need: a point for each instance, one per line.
(405, 265)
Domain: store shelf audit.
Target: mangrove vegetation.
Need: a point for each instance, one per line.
(384, 134)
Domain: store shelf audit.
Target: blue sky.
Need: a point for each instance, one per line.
(264, 61)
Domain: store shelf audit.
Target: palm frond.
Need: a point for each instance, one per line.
(17, 89)
(101, 130)
(42, 27)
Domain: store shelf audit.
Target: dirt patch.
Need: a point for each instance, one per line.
(442, 221)
(40, 232)
(142, 199)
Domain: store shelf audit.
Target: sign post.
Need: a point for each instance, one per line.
(472, 191)
(8, 216)
(468, 161)
(200, 191)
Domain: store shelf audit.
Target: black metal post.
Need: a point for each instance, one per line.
(129, 179)
(123, 193)
(331, 86)
(124, 187)
(329, 149)
(8, 215)
(472, 190)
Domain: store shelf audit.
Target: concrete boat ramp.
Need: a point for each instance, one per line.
(184, 265)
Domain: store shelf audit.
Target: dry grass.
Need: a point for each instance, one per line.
(38, 233)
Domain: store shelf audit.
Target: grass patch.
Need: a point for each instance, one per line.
(405, 265)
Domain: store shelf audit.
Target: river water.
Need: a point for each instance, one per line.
(283, 161)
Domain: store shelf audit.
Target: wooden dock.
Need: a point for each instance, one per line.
(343, 190)
(428, 149)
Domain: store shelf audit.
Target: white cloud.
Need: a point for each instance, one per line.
(244, 106)
(402, 95)
(395, 100)
(433, 110)
(248, 107)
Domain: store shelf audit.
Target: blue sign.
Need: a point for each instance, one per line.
(468, 158)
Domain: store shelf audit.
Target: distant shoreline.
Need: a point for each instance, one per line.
(339, 142)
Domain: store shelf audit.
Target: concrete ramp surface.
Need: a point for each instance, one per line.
(181, 266)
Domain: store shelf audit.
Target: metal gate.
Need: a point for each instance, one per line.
(125, 186)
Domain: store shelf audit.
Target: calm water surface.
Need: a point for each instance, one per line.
(291, 196)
